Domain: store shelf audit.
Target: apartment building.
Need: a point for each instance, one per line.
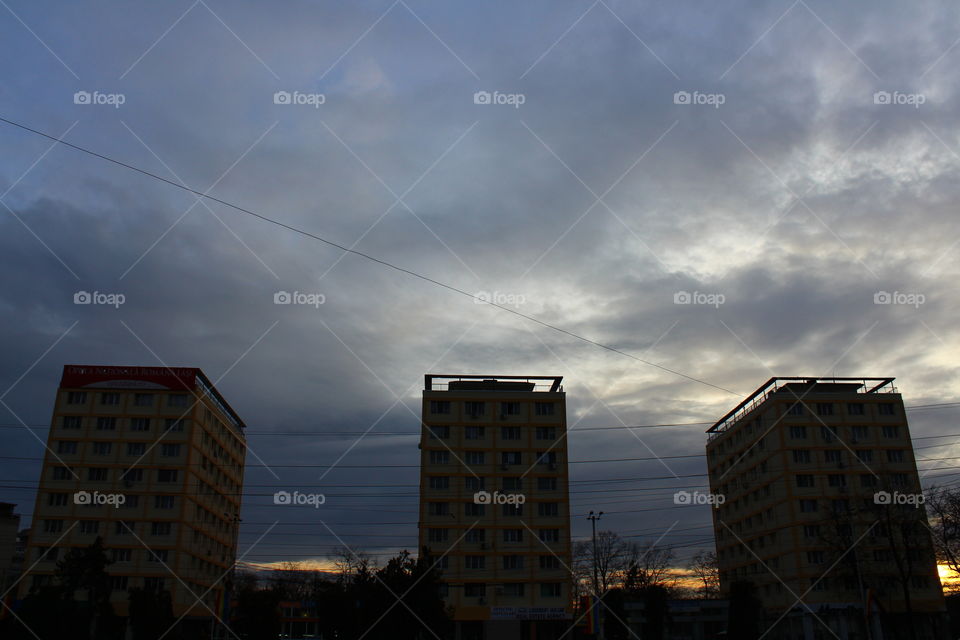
(819, 510)
(150, 460)
(494, 502)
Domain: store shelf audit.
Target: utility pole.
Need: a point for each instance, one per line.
(596, 579)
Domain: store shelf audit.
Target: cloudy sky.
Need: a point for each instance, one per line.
(781, 166)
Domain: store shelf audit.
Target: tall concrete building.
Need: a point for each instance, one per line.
(151, 460)
(820, 511)
(494, 502)
(9, 530)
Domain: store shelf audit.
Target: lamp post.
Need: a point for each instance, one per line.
(593, 517)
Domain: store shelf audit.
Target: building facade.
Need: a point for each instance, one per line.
(9, 531)
(818, 511)
(494, 502)
(151, 461)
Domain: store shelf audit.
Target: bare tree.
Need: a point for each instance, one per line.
(943, 509)
(648, 564)
(704, 566)
(350, 564)
(612, 553)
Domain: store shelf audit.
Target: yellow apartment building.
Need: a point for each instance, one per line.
(820, 510)
(494, 503)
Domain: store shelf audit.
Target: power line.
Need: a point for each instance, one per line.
(366, 256)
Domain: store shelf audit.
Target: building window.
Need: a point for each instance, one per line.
(549, 562)
(513, 535)
(143, 399)
(166, 475)
(512, 483)
(76, 397)
(885, 409)
(798, 432)
(89, 526)
(811, 531)
(438, 535)
(895, 455)
(828, 434)
(440, 407)
(859, 432)
(177, 400)
(840, 506)
(804, 480)
(546, 457)
(511, 457)
(510, 408)
(473, 483)
(546, 433)
(136, 448)
(795, 409)
(106, 424)
(513, 509)
(110, 399)
(864, 455)
(832, 455)
(548, 509)
(62, 473)
(52, 526)
(898, 479)
(132, 502)
(474, 562)
(546, 484)
(122, 555)
(139, 424)
(837, 480)
(158, 555)
(438, 508)
(102, 448)
(808, 506)
(868, 481)
(163, 502)
(72, 422)
(57, 499)
(801, 455)
(475, 536)
(475, 409)
(512, 562)
(855, 408)
(439, 432)
(513, 590)
(119, 583)
(439, 457)
(173, 424)
(824, 408)
(474, 433)
(98, 474)
(550, 590)
(891, 431)
(122, 528)
(170, 450)
(160, 528)
(475, 457)
(509, 433)
(474, 590)
(439, 482)
(549, 535)
(472, 509)
(66, 446)
(545, 408)
(132, 475)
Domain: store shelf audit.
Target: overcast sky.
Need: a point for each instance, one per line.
(629, 153)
